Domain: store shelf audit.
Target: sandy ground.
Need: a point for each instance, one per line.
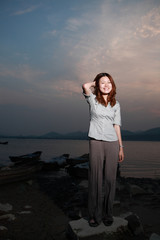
(44, 205)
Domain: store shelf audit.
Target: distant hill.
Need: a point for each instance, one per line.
(73, 135)
(149, 135)
(54, 135)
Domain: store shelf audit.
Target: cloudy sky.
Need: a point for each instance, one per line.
(49, 48)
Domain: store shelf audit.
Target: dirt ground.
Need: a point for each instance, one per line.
(44, 205)
(41, 219)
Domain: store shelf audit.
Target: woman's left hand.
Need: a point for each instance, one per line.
(121, 155)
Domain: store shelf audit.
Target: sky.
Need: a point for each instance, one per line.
(49, 48)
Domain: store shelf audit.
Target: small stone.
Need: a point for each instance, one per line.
(120, 186)
(3, 228)
(24, 212)
(10, 217)
(30, 182)
(154, 236)
(5, 207)
(116, 203)
(84, 184)
(27, 207)
(136, 190)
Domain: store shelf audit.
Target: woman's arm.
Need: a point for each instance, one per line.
(121, 153)
(87, 87)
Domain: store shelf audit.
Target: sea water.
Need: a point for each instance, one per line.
(142, 158)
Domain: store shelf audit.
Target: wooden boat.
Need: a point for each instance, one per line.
(56, 163)
(4, 143)
(19, 173)
(35, 156)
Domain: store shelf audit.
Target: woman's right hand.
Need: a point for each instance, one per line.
(87, 87)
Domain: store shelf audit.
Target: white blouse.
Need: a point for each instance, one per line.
(102, 119)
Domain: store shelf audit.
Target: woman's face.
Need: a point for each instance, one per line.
(105, 85)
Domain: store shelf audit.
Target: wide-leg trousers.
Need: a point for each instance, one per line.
(102, 168)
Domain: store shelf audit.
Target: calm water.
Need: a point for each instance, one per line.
(142, 159)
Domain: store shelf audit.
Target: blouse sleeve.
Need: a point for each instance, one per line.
(89, 98)
(117, 117)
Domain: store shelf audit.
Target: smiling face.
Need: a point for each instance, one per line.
(105, 85)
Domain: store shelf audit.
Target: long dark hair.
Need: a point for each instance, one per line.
(111, 96)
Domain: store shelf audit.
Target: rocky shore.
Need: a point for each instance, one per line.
(43, 206)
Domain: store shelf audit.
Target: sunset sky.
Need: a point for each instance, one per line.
(49, 48)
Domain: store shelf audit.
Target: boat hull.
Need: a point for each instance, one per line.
(35, 156)
(14, 174)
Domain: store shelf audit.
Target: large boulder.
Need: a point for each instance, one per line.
(82, 159)
(135, 190)
(79, 170)
(154, 236)
(80, 229)
(134, 224)
(56, 163)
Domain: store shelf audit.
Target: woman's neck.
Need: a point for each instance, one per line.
(105, 96)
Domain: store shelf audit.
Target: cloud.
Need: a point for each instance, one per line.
(50, 34)
(156, 112)
(99, 40)
(149, 24)
(21, 71)
(120, 47)
(21, 81)
(65, 88)
(27, 10)
(74, 24)
(120, 37)
(116, 45)
(19, 98)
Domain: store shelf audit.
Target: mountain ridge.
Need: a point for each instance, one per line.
(152, 134)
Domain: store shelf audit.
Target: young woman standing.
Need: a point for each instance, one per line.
(105, 146)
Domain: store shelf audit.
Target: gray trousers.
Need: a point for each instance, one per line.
(102, 168)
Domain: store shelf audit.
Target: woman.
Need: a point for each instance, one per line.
(105, 146)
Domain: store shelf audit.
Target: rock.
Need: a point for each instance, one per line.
(74, 215)
(120, 186)
(80, 229)
(27, 207)
(154, 236)
(125, 215)
(82, 159)
(116, 203)
(3, 228)
(10, 217)
(30, 182)
(5, 207)
(24, 212)
(135, 190)
(6, 168)
(56, 163)
(134, 224)
(84, 184)
(3, 233)
(79, 170)
(61, 160)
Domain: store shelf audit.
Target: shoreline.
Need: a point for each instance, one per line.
(141, 159)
